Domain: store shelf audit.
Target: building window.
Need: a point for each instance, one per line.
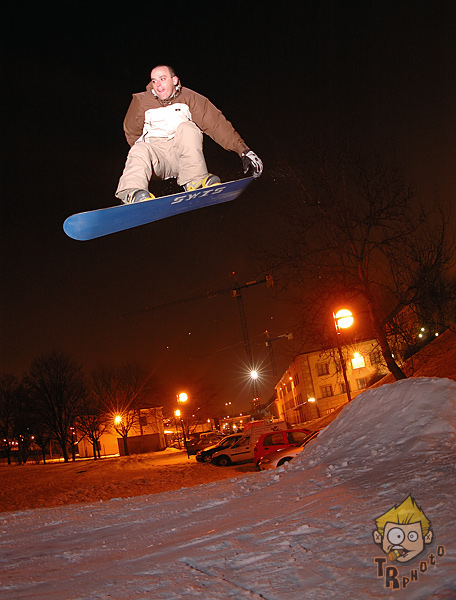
(143, 420)
(343, 388)
(326, 391)
(289, 404)
(296, 379)
(358, 361)
(322, 369)
(375, 357)
(362, 383)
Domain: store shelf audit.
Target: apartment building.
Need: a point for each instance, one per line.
(314, 383)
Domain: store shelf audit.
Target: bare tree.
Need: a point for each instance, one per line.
(8, 390)
(92, 421)
(57, 385)
(358, 236)
(120, 391)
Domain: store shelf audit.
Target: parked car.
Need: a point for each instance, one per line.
(205, 455)
(276, 440)
(280, 457)
(243, 450)
(203, 440)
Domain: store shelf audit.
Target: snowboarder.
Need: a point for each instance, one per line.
(164, 126)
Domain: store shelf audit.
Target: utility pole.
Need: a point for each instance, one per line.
(236, 293)
(245, 336)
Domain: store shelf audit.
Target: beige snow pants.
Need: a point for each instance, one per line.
(180, 157)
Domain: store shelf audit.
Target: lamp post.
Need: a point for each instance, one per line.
(254, 375)
(313, 400)
(176, 415)
(181, 398)
(343, 319)
(122, 431)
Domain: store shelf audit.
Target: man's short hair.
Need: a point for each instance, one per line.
(406, 512)
(172, 72)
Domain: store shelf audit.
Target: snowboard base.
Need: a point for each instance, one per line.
(104, 221)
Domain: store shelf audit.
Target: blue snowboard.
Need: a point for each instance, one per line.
(96, 223)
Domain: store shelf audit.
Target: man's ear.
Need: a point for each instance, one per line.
(377, 536)
(175, 80)
(428, 537)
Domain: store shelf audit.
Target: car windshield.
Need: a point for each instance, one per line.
(225, 443)
(307, 438)
(241, 441)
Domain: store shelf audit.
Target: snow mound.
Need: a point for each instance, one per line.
(406, 416)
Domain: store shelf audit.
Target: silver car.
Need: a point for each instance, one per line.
(280, 457)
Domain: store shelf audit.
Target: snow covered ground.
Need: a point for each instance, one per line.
(302, 531)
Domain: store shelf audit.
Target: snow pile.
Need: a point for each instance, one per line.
(412, 414)
(301, 531)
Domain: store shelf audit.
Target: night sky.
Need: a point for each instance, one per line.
(379, 73)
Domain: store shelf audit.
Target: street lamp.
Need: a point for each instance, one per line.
(343, 319)
(181, 398)
(312, 400)
(177, 414)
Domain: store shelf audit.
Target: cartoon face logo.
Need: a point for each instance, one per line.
(403, 531)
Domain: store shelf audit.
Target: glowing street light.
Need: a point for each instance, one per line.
(313, 400)
(177, 414)
(343, 319)
(181, 398)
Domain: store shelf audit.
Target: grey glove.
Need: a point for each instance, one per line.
(251, 162)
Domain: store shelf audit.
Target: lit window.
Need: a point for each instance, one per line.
(357, 361)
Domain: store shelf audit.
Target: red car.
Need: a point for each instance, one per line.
(276, 440)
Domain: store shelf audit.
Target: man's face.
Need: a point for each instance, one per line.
(163, 83)
(405, 538)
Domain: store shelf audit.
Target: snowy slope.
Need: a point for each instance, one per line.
(302, 531)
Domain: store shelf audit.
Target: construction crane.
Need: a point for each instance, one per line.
(236, 292)
(268, 343)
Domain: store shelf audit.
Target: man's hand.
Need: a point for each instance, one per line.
(251, 162)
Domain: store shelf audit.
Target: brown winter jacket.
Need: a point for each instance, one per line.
(149, 117)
